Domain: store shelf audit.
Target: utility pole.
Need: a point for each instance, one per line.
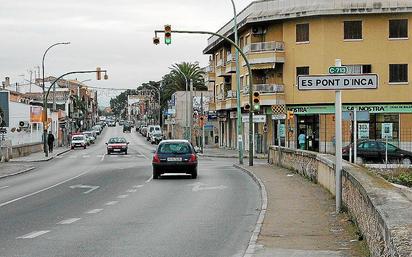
(189, 111)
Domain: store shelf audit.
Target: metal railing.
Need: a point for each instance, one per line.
(266, 88)
(231, 94)
(230, 58)
(220, 97)
(219, 63)
(267, 46)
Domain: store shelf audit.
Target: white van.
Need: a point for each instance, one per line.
(151, 129)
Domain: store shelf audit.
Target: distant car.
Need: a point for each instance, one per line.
(151, 129)
(127, 128)
(156, 137)
(112, 123)
(117, 144)
(78, 141)
(375, 151)
(174, 156)
(143, 131)
(97, 129)
(121, 122)
(90, 137)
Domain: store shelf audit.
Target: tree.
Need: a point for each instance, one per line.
(191, 71)
(119, 103)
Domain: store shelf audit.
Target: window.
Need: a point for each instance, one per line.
(302, 32)
(302, 70)
(398, 73)
(359, 69)
(398, 28)
(352, 30)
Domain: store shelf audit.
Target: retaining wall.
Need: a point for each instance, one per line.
(26, 149)
(382, 212)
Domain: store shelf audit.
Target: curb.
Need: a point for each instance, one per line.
(250, 251)
(45, 160)
(17, 173)
(232, 156)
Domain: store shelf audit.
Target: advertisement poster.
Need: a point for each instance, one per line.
(363, 130)
(387, 130)
(36, 114)
(282, 130)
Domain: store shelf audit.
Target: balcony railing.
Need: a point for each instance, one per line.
(230, 58)
(265, 46)
(266, 88)
(231, 94)
(220, 97)
(219, 63)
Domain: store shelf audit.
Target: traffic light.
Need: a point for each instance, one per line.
(256, 101)
(156, 40)
(246, 107)
(168, 34)
(290, 115)
(98, 73)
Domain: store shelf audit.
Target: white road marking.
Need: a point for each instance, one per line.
(94, 211)
(132, 191)
(111, 203)
(34, 234)
(150, 179)
(102, 159)
(198, 186)
(4, 187)
(138, 186)
(86, 156)
(42, 190)
(91, 188)
(122, 196)
(68, 221)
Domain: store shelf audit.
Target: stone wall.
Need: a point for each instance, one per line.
(382, 212)
(26, 149)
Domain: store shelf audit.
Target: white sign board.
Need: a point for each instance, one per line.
(387, 130)
(363, 130)
(278, 116)
(338, 82)
(256, 118)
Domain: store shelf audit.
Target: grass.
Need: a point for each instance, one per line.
(401, 176)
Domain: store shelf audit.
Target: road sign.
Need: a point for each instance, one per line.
(338, 82)
(256, 118)
(338, 70)
(278, 116)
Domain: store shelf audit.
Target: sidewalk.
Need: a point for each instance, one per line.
(300, 219)
(228, 153)
(39, 156)
(11, 169)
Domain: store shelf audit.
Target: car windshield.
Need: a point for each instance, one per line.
(117, 140)
(176, 148)
(78, 138)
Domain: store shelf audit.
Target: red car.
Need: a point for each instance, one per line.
(117, 145)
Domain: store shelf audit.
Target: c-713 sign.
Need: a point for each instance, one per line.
(338, 82)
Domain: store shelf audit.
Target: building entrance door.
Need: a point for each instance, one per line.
(309, 126)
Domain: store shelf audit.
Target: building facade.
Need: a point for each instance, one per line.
(284, 39)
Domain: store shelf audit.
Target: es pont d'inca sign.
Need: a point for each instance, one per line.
(338, 82)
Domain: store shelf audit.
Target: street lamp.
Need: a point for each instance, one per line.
(238, 109)
(44, 99)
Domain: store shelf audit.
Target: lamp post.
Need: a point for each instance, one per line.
(238, 109)
(46, 153)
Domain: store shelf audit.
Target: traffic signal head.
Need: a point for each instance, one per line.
(98, 73)
(246, 107)
(156, 40)
(106, 77)
(168, 34)
(256, 101)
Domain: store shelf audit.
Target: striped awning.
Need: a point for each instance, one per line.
(263, 66)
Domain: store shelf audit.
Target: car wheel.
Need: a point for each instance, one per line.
(406, 161)
(108, 153)
(84, 147)
(194, 173)
(125, 153)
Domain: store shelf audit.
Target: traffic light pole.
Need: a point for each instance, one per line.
(250, 78)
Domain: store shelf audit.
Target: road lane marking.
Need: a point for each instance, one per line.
(68, 221)
(4, 187)
(91, 188)
(138, 186)
(41, 190)
(131, 191)
(86, 156)
(122, 196)
(33, 234)
(111, 203)
(94, 211)
(102, 159)
(150, 179)
(198, 186)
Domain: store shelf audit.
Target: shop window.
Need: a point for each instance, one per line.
(302, 32)
(398, 28)
(359, 69)
(352, 30)
(398, 73)
(382, 124)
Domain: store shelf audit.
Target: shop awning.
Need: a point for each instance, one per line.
(263, 66)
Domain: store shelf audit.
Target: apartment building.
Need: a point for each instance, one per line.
(284, 39)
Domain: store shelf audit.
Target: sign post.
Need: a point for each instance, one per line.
(337, 82)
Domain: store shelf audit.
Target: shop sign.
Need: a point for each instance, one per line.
(387, 130)
(256, 118)
(373, 108)
(278, 116)
(363, 130)
(338, 82)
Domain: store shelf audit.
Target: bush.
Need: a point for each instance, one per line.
(403, 177)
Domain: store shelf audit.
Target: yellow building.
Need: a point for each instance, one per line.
(284, 39)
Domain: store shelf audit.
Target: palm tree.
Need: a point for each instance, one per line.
(191, 71)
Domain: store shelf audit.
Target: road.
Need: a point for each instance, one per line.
(86, 203)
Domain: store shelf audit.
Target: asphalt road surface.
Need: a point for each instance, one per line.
(86, 203)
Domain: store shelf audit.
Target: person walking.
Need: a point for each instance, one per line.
(50, 141)
(302, 140)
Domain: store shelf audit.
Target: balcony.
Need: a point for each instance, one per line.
(230, 64)
(264, 55)
(220, 68)
(231, 94)
(270, 94)
(210, 73)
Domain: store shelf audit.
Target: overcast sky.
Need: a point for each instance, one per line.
(113, 34)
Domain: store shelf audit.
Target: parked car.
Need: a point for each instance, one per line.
(117, 144)
(156, 137)
(90, 137)
(78, 141)
(375, 151)
(176, 156)
(121, 122)
(151, 129)
(143, 131)
(127, 128)
(112, 123)
(97, 129)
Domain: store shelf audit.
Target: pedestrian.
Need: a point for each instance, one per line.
(302, 140)
(50, 141)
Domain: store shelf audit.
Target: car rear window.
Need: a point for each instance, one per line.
(117, 140)
(78, 138)
(176, 148)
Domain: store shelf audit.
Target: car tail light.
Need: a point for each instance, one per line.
(156, 158)
(192, 158)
